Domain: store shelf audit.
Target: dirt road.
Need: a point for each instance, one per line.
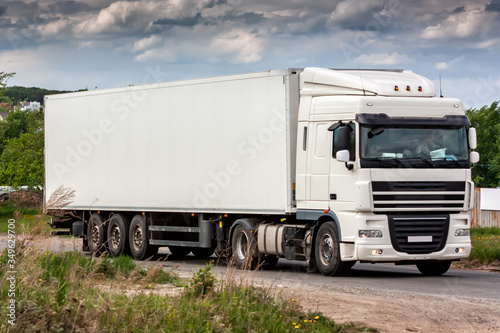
(391, 299)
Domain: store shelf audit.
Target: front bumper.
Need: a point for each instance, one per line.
(388, 254)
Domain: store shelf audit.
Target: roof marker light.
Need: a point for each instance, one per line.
(396, 88)
(407, 88)
(420, 88)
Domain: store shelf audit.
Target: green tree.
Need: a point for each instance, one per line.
(16, 123)
(4, 77)
(487, 123)
(22, 161)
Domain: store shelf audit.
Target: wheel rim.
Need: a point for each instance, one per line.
(94, 239)
(242, 246)
(326, 249)
(137, 238)
(115, 237)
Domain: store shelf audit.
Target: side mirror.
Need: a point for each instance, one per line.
(342, 156)
(472, 138)
(474, 157)
(344, 137)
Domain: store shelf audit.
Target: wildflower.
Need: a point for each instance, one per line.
(317, 317)
(297, 326)
(40, 280)
(294, 324)
(305, 320)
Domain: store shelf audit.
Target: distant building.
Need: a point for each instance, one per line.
(3, 115)
(31, 106)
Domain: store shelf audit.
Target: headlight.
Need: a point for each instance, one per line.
(462, 232)
(370, 234)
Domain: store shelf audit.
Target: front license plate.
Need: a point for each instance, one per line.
(419, 239)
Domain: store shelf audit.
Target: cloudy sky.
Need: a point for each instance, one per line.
(105, 43)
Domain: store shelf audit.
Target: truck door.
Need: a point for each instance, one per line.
(341, 179)
(318, 165)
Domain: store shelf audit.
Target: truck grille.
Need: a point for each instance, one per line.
(418, 234)
(418, 196)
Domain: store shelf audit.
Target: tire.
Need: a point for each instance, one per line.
(118, 227)
(96, 235)
(327, 251)
(434, 268)
(243, 248)
(179, 251)
(202, 252)
(138, 239)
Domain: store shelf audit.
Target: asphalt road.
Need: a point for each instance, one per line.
(456, 282)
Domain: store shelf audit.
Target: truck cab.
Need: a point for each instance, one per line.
(387, 165)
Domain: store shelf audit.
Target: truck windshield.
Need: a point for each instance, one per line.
(413, 147)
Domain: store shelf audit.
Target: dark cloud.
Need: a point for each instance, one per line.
(459, 10)
(3, 9)
(73, 7)
(493, 6)
(247, 18)
(184, 22)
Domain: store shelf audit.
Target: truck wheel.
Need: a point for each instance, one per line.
(243, 248)
(96, 235)
(327, 251)
(179, 251)
(138, 239)
(118, 235)
(434, 268)
(202, 252)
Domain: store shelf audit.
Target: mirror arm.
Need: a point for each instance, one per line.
(349, 166)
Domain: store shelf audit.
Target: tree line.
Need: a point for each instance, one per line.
(22, 143)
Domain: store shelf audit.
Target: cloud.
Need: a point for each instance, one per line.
(238, 46)
(145, 43)
(354, 14)
(485, 44)
(382, 59)
(140, 16)
(446, 65)
(493, 6)
(165, 54)
(464, 24)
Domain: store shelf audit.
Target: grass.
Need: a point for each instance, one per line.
(485, 245)
(66, 293)
(26, 218)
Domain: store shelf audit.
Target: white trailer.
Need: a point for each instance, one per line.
(274, 164)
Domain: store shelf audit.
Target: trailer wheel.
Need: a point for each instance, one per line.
(179, 251)
(118, 235)
(243, 248)
(327, 251)
(138, 239)
(96, 235)
(434, 268)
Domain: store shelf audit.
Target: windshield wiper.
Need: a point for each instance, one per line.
(410, 159)
(397, 160)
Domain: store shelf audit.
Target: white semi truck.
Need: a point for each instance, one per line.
(327, 166)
